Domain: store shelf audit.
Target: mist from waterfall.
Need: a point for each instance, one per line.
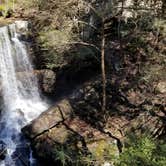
(18, 87)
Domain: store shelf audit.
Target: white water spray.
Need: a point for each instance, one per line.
(20, 93)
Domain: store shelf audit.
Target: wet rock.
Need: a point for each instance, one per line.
(21, 154)
(47, 80)
(3, 150)
(22, 26)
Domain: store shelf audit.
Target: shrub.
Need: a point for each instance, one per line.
(6, 9)
(143, 151)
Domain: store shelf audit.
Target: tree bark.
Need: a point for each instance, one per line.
(103, 70)
(163, 8)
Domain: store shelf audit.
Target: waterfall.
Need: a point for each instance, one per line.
(19, 90)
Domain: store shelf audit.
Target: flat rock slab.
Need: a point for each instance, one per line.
(48, 119)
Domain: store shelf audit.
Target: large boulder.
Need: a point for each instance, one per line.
(58, 129)
(48, 119)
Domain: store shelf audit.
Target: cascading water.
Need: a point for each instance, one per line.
(21, 98)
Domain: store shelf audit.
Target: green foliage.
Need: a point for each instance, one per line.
(54, 44)
(137, 151)
(56, 39)
(68, 156)
(63, 156)
(143, 151)
(160, 25)
(6, 8)
(55, 28)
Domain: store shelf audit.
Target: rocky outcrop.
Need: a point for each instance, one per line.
(48, 119)
(58, 129)
(76, 125)
(47, 80)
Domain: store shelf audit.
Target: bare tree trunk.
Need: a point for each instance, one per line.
(163, 7)
(103, 70)
(119, 28)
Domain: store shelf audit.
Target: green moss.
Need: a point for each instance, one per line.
(102, 151)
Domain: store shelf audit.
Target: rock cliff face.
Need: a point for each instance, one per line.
(47, 80)
(58, 128)
(76, 125)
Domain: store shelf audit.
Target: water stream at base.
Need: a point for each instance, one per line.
(19, 93)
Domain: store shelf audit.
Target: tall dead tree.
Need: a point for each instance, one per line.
(103, 68)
